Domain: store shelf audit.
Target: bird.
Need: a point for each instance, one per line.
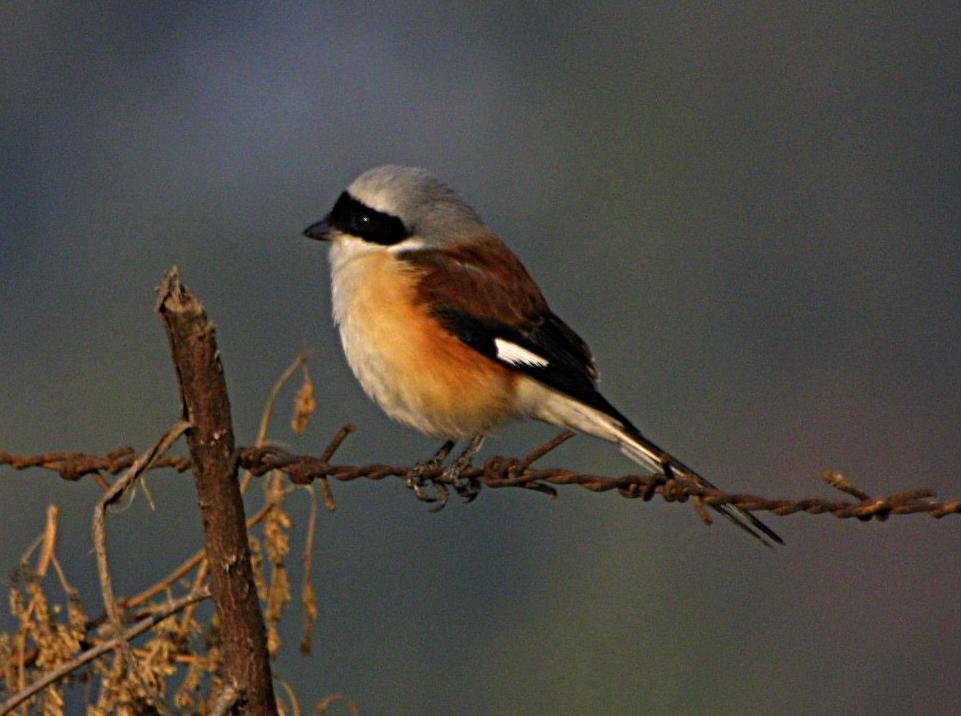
(449, 334)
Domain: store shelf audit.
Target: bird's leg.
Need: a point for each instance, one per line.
(666, 467)
(467, 488)
(415, 478)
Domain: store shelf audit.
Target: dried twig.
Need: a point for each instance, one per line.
(101, 649)
(115, 492)
(307, 600)
(225, 701)
(321, 708)
(183, 568)
(49, 541)
(186, 619)
(267, 413)
(294, 703)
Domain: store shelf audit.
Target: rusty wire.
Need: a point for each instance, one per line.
(75, 465)
(499, 472)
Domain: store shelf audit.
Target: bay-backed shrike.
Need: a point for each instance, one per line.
(448, 333)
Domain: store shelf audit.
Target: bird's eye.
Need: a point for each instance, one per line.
(354, 217)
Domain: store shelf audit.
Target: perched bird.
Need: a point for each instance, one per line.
(449, 334)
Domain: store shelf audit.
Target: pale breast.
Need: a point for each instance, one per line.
(417, 372)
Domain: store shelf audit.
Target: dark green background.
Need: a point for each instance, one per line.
(752, 213)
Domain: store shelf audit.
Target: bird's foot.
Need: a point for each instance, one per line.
(420, 485)
(467, 487)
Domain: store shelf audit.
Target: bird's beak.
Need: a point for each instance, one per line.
(319, 231)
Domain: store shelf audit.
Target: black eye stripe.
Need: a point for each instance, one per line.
(354, 217)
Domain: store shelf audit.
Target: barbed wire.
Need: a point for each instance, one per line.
(75, 465)
(503, 472)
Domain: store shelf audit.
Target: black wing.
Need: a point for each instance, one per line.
(567, 362)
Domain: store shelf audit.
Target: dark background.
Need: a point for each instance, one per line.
(752, 214)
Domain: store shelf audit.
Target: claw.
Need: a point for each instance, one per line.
(418, 484)
(442, 495)
(468, 489)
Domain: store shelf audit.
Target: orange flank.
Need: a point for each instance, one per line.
(425, 377)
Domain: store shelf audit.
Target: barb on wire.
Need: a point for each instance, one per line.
(501, 472)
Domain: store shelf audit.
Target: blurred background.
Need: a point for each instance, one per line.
(752, 214)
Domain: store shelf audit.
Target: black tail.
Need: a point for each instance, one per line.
(646, 453)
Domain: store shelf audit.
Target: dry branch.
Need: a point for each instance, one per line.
(206, 405)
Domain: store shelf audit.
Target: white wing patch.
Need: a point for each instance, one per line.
(513, 353)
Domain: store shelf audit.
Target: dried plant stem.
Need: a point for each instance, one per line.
(100, 544)
(184, 568)
(49, 541)
(307, 600)
(225, 701)
(324, 704)
(267, 413)
(101, 649)
(187, 617)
